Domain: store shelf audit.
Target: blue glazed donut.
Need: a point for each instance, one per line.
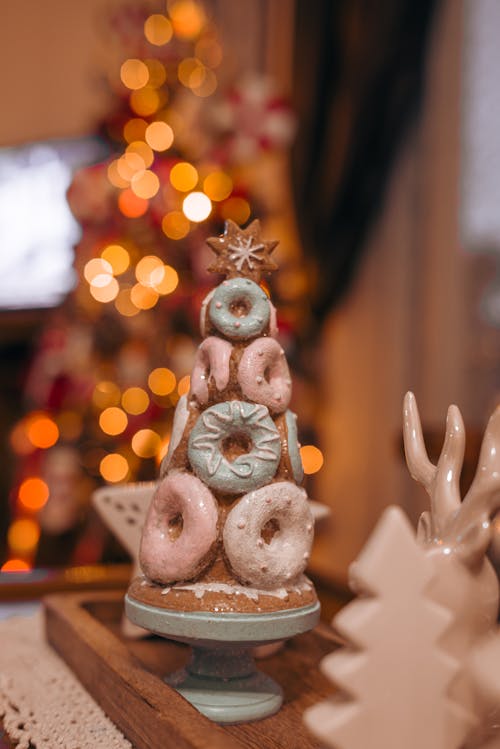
(293, 447)
(246, 297)
(235, 423)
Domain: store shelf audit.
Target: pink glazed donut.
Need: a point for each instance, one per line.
(212, 360)
(263, 375)
(167, 556)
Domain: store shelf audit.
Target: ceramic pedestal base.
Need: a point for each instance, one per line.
(221, 680)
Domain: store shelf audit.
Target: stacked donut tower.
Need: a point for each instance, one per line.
(229, 528)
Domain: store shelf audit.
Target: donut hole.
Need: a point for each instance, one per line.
(239, 307)
(236, 444)
(175, 526)
(267, 374)
(269, 530)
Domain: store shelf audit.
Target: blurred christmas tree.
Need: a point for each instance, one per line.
(187, 154)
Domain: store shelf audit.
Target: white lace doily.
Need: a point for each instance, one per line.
(42, 704)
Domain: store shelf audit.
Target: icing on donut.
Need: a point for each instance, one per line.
(263, 374)
(212, 360)
(178, 426)
(239, 309)
(235, 447)
(203, 313)
(277, 562)
(293, 447)
(166, 556)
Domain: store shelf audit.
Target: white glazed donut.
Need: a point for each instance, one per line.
(180, 420)
(212, 360)
(170, 553)
(263, 375)
(279, 562)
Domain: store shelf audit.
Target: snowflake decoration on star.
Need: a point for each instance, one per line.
(242, 252)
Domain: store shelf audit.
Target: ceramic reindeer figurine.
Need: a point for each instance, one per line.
(422, 643)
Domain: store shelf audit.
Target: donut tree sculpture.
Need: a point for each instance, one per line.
(229, 529)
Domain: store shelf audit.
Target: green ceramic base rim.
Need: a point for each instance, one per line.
(207, 628)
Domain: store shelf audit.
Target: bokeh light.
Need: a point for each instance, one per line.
(134, 74)
(143, 297)
(114, 176)
(175, 225)
(114, 467)
(131, 205)
(145, 184)
(236, 209)
(96, 267)
(19, 440)
(117, 257)
(146, 101)
(106, 393)
(104, 288)
(149, 270)
(23, 535)
(134, 129)
(124, 303)
(191, 72)
(161, 381)
(146, 443)
(15, 565)
(113, 420)
(157, 73)
(204, 85)
(183, 176)
(129, 164)
(42, 431)
(169, 281)
(184, 385)
(143, 150)
(312, 458)
(209, 52)
(159, 136)
(218, 186)
(135, 400)
(197, 206)
(188, 18)
(33, 493)
(158, 29)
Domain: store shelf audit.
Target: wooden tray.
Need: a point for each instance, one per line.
(125, 678)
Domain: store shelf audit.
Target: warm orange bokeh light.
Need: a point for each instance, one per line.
(146, 443)
(312, 458)
(204, 85)
(106, 394)
(42, 431)
(33, 493)
(158, 29)
(114, 175)
(183, 176)
(135, 400)
(134, 129)
(134, 74)
(191, 72)
(197, 206)
(114, 467)
(131, 205)
(236, 209)
(157, 73)
(118, 258)
(23, 535)
(161, 381)
(143, 297)
(124, 303)
(113, 420)
(146, 101)
(104, 288)
(145, 184)
(149, 270)
(15, 565)
(218, 186)
(168, 282)
(129, 164)
(209, 52)
(96, 267)
(159, 136)
(175, 225)
(19, 440)
(188, 18)
(184, 385)
(143, 151)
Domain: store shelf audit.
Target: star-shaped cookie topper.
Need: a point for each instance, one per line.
(242, 252)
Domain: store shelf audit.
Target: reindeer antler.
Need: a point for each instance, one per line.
(463, 526)
(442, 481)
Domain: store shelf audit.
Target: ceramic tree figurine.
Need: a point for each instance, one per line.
(229, 529)
(412, 674)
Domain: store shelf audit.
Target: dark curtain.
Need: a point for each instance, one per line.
(359, 70)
